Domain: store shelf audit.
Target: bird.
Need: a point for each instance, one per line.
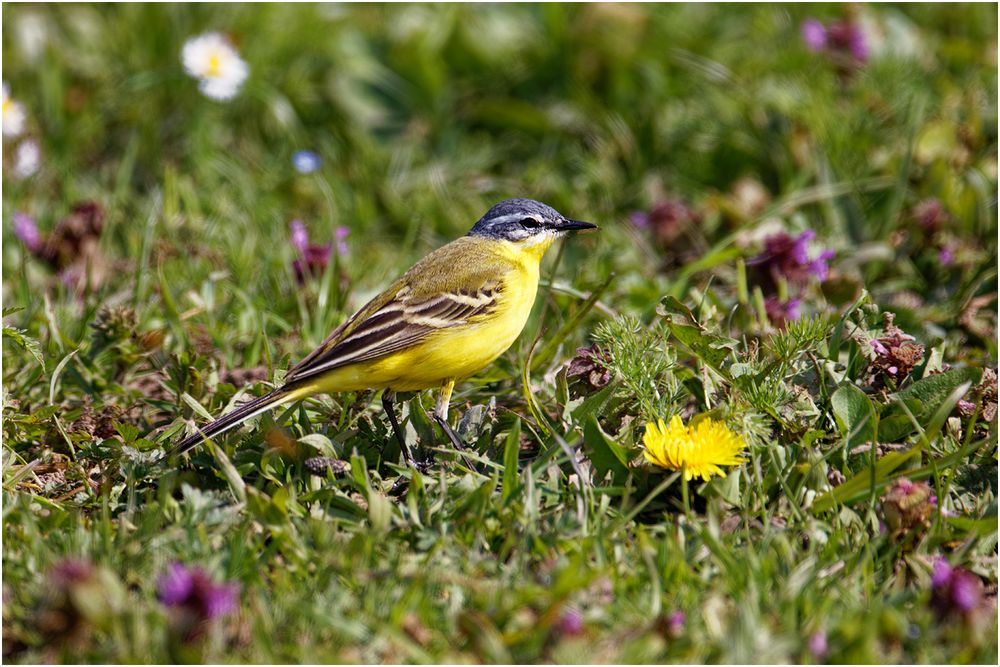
(447, 318)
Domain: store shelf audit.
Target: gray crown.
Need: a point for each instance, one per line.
(518, 219)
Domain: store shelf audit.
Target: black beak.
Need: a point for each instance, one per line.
(571, 225)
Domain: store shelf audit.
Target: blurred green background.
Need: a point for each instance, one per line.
(424, 115)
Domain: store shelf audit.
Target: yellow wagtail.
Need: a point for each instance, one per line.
(447, 318)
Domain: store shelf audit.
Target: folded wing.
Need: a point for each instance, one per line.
(389, 325)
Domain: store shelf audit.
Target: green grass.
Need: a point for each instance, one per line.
(560, 543)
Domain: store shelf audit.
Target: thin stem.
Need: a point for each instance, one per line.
(684, 491)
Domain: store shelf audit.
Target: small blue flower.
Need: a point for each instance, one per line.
(306, 162)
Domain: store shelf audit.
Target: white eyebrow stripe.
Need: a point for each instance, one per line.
(513, 217)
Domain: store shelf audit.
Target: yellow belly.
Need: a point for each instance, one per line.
(451, 354)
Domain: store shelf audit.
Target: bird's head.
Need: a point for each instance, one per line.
(526, 222)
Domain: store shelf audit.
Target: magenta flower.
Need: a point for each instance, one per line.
(570, 623)
(966, 408)
(639, 219)
(955, 591)
(194, 590)
(814, 34)
(780, 312)
(314, 258)
(26, 229)
(930, 214)
(839, 39)
(819, 267)
(667, 220)
(896, 353)
(800, 246)
(300, 237)
(946, 256)
(847, 36)
(941, 574)
(675, 623)
(906, 509)
(790, 257)
(340, 234)
(70, 571)
(818, 645)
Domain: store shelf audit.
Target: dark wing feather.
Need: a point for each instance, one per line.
(383, 327)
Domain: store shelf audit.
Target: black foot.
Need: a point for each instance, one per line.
(455, 442)
(446, 427)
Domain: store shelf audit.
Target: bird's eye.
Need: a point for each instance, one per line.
(529, 223)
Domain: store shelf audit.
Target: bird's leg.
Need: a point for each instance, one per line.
(441, 417)
(390, 411)
(441, 414)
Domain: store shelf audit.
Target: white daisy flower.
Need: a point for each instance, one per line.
(27, 159)
(14, 115)
(212, 60)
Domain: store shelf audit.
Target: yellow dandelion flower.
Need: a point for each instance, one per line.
(698, 450)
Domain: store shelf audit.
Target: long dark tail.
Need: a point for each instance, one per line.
(233, 419)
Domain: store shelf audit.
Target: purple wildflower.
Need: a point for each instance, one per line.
(966, 408)
(941, 574)
(77, 596)
(966, 591)
(306, 162)
(70, 571)
(800, 246)
(954, 590)
(675, 623)
(175, 585)
(314, 258)
(848, 37)
(930, 214)
(896, 353)
(300, 237)
(668, 219)
(788, 257)
(819, 267)
(814, 34)
(194, 590)
(818, 645)
(839, 39)
(906, 509)
(640, 219)
(26, 229)
(946, 256)
(780, 312)
(341, 235)
(570, 623)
